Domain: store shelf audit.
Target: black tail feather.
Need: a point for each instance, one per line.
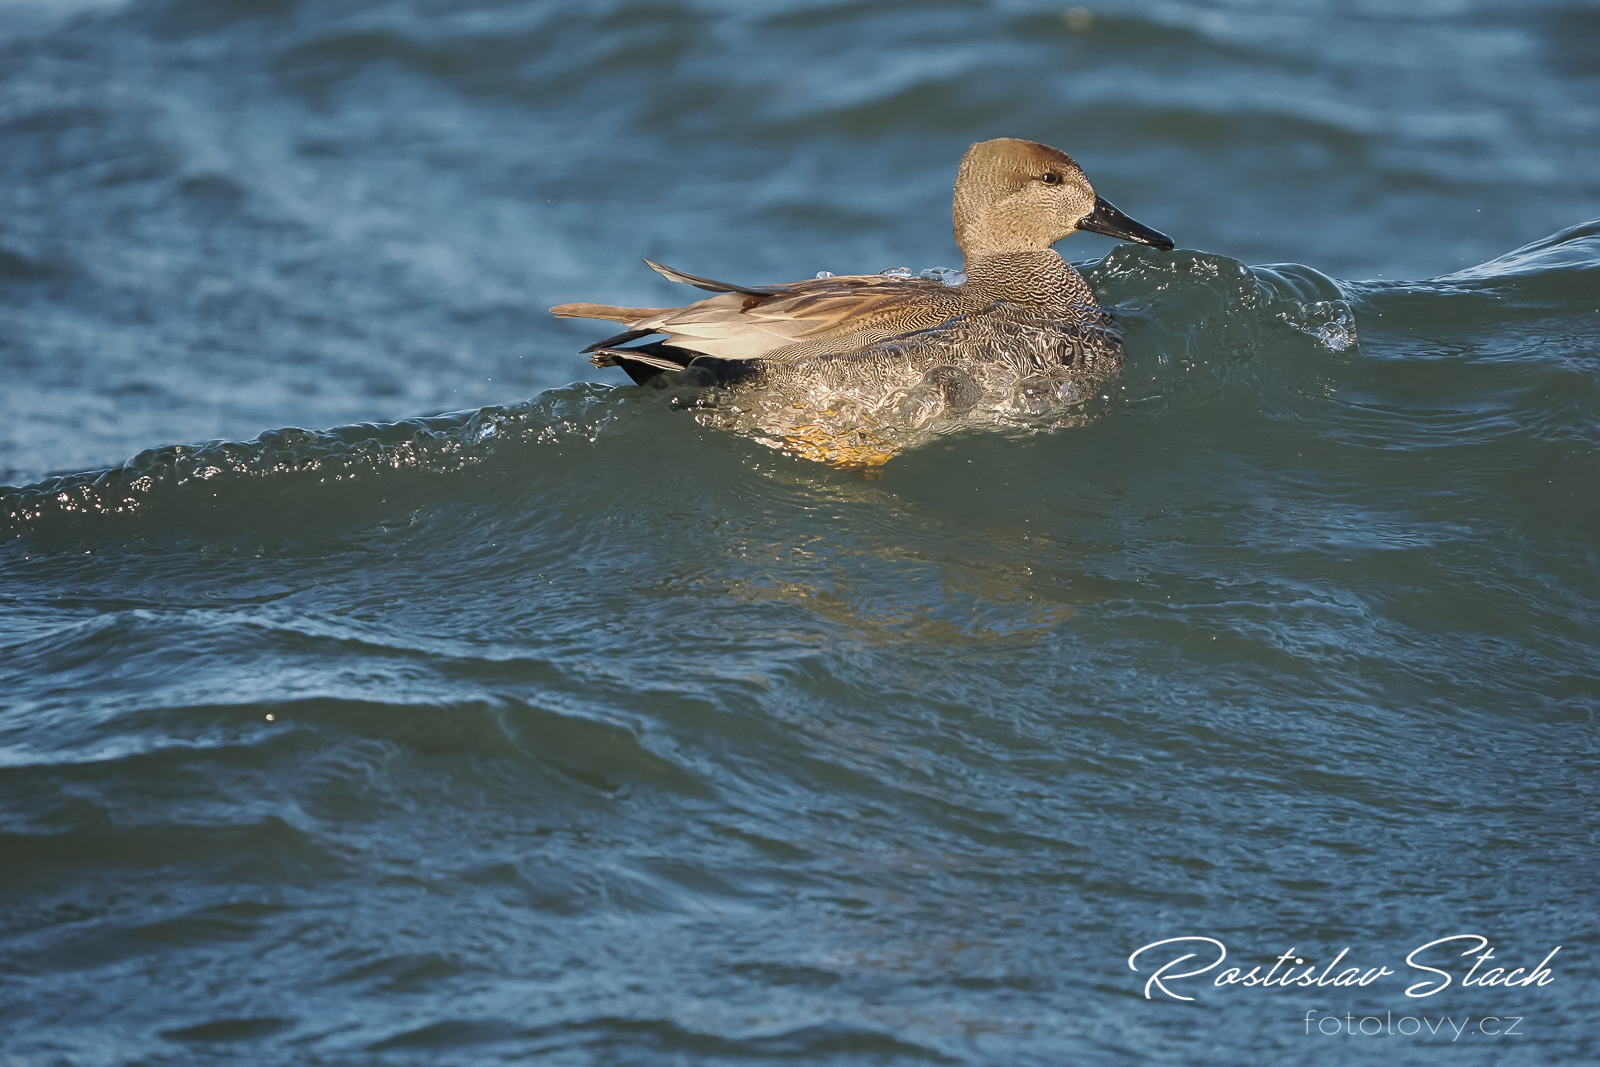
(619, 339)
(642, 362)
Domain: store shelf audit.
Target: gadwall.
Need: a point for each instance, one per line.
(1019, 305)
(848, 370)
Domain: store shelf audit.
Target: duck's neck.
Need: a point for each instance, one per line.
(1041, 280)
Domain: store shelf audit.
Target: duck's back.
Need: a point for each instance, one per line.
(847, 316)
(803, 320)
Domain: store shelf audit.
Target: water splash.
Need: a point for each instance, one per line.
(947, 275)
(1331, 322)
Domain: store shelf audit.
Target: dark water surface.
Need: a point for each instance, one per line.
(562, 728)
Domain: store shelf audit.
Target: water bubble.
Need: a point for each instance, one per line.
(824, 273)
(896, 272)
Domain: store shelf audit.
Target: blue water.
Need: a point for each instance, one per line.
(506, 712)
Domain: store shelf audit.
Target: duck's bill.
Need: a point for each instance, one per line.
(1106, 219)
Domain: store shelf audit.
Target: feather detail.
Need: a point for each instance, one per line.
(604, 311)
(831, 313)
(608, 357)
(619, 339)
(711, 286)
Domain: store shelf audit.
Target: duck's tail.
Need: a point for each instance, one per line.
(605, 311)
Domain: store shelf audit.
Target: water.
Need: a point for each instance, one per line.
(561, 726)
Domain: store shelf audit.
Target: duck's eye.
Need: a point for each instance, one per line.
(1050, 179)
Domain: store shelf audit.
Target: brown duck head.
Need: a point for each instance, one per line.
(1022, 196)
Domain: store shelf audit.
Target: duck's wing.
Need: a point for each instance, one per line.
(752, 321)
(631, 315)
(823, 314)
(850, 303)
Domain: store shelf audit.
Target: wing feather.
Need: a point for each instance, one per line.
(749, 322)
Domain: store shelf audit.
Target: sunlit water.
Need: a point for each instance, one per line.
(568, 726)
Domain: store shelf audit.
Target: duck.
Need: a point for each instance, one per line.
(1016, 307)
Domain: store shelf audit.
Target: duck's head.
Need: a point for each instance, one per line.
(1022, 196)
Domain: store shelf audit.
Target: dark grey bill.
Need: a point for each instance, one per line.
(1106, 219)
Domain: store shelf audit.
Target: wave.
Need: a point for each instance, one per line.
(1555, 275)
(370, 457)
(1183, 312)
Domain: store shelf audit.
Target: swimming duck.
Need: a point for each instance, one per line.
(1020, 306)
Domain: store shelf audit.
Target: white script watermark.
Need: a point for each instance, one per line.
(1290, 971)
